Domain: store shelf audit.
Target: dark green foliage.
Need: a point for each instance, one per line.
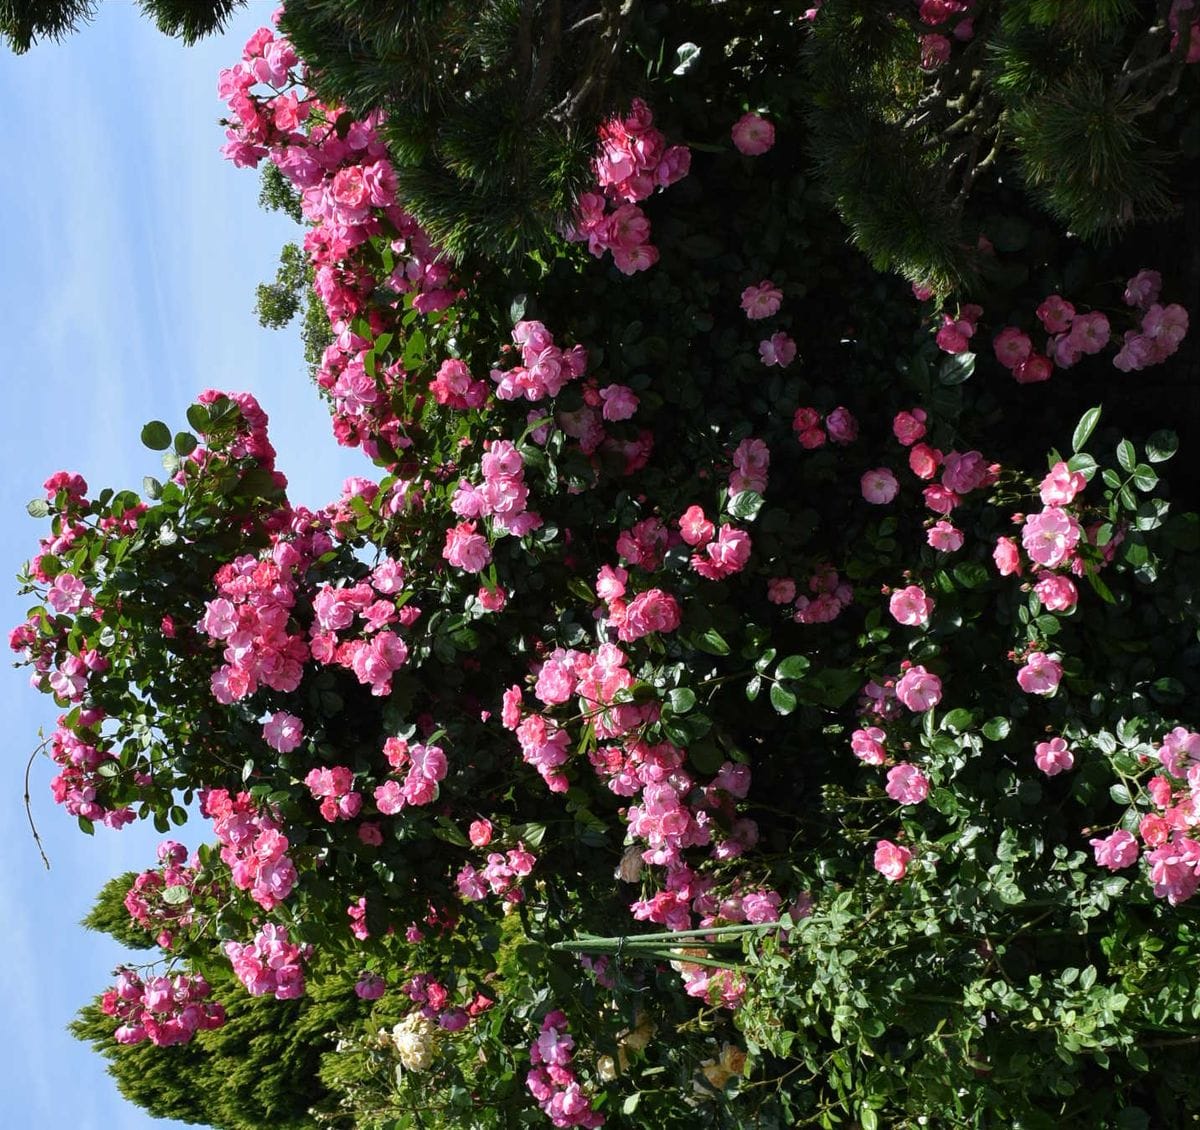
(109, 916)
(277, 195)
(190, 20)
(24, 22)
(1082, 103)
(491, 107)
(278, 302)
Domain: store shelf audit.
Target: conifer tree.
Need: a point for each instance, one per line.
(916, 132)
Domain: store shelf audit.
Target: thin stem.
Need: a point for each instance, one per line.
(28, 807)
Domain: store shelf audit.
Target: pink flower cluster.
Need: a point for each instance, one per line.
(423, 767)
(751, 464)
(553, 1082)
(270, 965)
(251, 617)
(831, 595)
(454, 387)
(145, 902)
(503, 496)
(372, 606)
(164, 1010)
(633, 160)
(935, 47)
(840, 427)
(501, 875)
(719, 553)
(79, 785)
(956, 332)
(334, 788)
(1073, 334)
(545, 368)
(434, 999)
(252, 846)
(1168, 843)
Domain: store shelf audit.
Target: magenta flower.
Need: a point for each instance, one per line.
(879, 486)
(891, 860)
(919, 690)
(1040, 675)
(1053, 757)
(753, 135)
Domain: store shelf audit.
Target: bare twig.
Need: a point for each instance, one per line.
(29, 809)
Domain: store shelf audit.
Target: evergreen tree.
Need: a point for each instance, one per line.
(1082, 103)
(24, 22)
(259, 1071)
(491, 107)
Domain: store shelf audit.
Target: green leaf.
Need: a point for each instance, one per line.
(1119, 793)
(793, 667)
(151, 487)
(957, 368)
(997, 729)
(712, 642)
(176, 895)
(868, 1119)
(1083, 463)
(156, 436)
(958, 720)
(745, 505)
(782, 699)
(197, 416)
(753, 687)
(631, 1102)
(38, 508)
(1126, 456)
(1144, 477)
(686, 55)
(1161, 446)
(682, 699)
(1085, 427)
(970, 574)
(185, 443)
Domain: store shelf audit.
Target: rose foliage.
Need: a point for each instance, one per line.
(717, 702)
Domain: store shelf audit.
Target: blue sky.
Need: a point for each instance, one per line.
(131, 253)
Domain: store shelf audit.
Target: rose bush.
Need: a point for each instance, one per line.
(708, 583)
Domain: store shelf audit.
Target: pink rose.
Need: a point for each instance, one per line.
(908, 427)
(1142, 290)
(944, 537)
(1007, 557)
(1056, 314)
(1012, 347)
(753, 135)
(650, 611)
(761, 300)
(1032, 370)
(918, 689)
(695, 528)
(778, 349)
(891, 860)
(1040, 674)
(879, 486)
(480, 833)
(466, 549)
(1053, 757)
(1116, 851)
(283, 731)
(781, 590)
(1050, 537)
(867, 745)
(1057, 593)
(924, 461)
(1061, 485)
(906, 784)
(841, 426)
(620, 403)
(910, 606)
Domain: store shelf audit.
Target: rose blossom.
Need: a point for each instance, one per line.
(1050, 537)
(761, 300)
(944, 537)
(891, 860)
(918, 689)
(910, 606)
(1117, 850)
(283, 732)
(1040, 675)
(879, 486)
(1057, 593)
(753, 135)
(906, 784)
(867, 745)
(1053, 757)
(908, 427)
(1061, 485)
(778, 349)
(1007, 557)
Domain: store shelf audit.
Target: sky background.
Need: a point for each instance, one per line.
(131, 251)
